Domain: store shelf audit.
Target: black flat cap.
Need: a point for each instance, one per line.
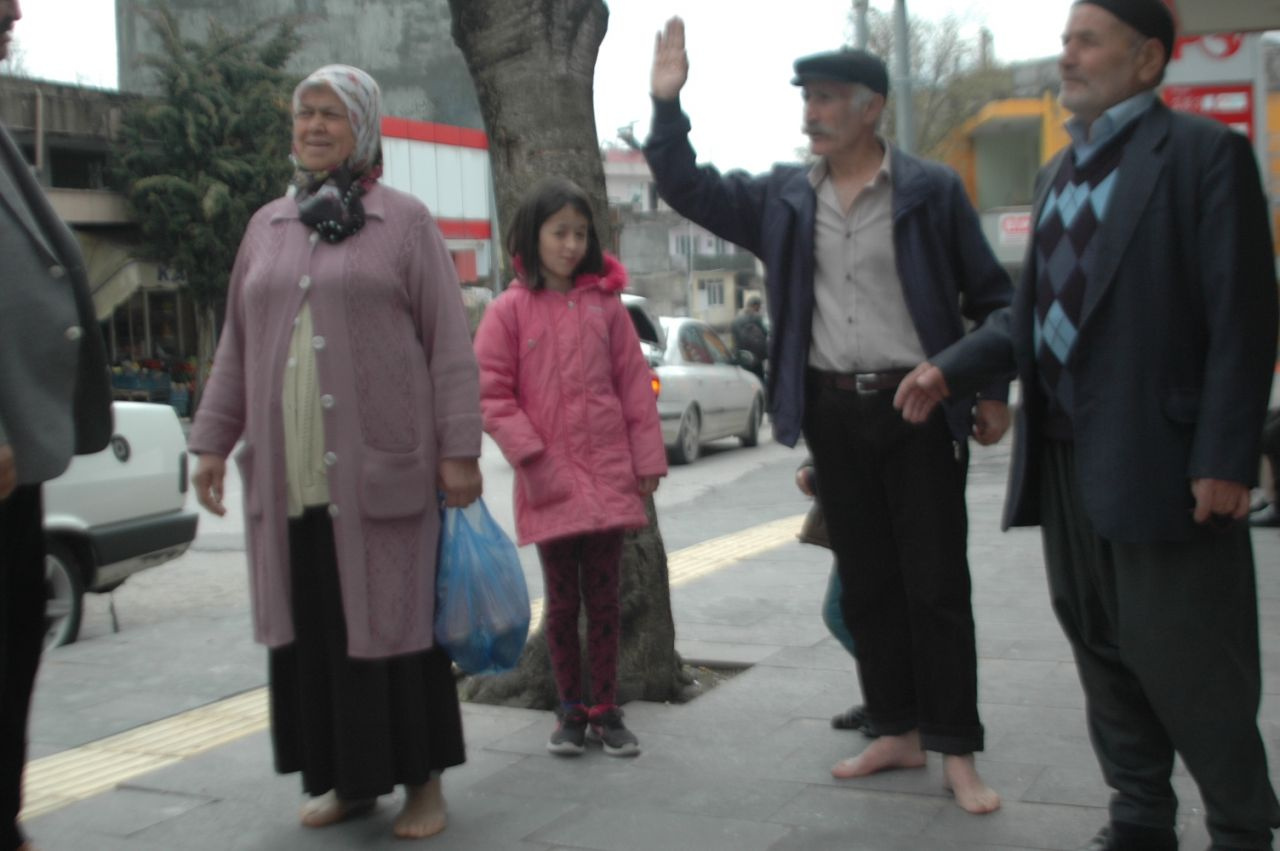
(1151, 18)
(848, 65)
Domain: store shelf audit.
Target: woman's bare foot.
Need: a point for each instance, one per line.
(884, 754)
(324, 810)
(424, 812)
(960, 776)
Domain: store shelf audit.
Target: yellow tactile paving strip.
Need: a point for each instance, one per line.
(73, 775)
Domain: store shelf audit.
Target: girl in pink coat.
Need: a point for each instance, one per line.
(566, 394)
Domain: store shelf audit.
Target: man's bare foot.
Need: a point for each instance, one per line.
(324, 810)
(960, 776)
(424, 812)
(884, 754)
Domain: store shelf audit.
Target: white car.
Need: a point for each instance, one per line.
(704, 392)
(114, 513)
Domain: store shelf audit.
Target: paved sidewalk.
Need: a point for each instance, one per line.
(744, 767)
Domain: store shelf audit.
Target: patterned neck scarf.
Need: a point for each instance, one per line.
(329, 201)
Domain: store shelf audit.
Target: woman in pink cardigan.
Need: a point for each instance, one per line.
(346, 367)
(566, 394)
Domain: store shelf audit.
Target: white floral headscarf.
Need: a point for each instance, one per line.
(361, 96)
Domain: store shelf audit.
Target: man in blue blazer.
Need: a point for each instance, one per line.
(874, 258)
(1144, 336)
(55, 401)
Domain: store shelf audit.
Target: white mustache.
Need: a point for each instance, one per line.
(817, 130)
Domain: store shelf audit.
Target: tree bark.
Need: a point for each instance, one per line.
(533, 65)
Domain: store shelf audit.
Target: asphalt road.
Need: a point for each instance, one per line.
(210, 580)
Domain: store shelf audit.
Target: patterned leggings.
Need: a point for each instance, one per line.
(584, 567)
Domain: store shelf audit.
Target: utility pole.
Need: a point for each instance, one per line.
(902, 71)
(860, 32)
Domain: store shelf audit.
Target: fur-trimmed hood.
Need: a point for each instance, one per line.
(612, 280)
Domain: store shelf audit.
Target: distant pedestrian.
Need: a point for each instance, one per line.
(1144, 336)
(566, 394)
(874, 258)
(346, 366)
(750, 334)
(55, 402)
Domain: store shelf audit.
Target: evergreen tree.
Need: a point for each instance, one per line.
(197, 161)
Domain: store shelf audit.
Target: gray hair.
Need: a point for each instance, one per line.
(861, 99)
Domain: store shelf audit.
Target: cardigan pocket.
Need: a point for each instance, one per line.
(394, 484)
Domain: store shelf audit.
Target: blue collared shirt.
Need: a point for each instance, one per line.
(1087, 139)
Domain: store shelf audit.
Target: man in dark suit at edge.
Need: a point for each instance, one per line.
(1144, 335)
(55, 401)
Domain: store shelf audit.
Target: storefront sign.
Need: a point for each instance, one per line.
(1230, 104)
(1015, 228)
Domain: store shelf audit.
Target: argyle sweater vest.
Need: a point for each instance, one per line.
(1066, 255)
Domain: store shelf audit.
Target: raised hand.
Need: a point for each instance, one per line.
(670, 62)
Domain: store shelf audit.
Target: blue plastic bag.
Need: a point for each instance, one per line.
(482, 601)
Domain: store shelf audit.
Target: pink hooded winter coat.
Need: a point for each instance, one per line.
(565, 393)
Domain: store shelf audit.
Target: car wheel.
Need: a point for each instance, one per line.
(64, 595)
(751, 437)
(689, 440)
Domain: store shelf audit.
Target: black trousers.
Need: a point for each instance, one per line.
(1165, 637)
(22, 599)
(357, 726)
(893, 494)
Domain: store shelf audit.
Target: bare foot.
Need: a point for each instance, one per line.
(27, 846)
(960, 776)
(884, 754)
(324, 810)
(424, 812)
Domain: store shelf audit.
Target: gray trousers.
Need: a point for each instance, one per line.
(1165, 637)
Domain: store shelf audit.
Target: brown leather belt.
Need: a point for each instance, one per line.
(860, 382)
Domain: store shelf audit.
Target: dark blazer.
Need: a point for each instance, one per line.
(1173, 363)
(947, 269)
(55, 392)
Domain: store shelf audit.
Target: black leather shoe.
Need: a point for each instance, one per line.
(1123, 836)
(855, 718)
(1267, 517)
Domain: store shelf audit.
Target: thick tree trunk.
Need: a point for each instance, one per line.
(533, 65)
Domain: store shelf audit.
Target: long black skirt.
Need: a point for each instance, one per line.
(357, 726)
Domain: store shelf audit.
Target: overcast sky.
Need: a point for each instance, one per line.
(744, 111)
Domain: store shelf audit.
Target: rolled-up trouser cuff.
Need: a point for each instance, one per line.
(953, 741)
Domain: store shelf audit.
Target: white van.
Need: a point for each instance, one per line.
(116, 512)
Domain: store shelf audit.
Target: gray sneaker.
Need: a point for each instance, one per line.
(570, 734)
(607, 726)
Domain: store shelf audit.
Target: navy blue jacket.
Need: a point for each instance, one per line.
(946, 266)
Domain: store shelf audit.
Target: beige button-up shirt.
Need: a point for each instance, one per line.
(860, 318)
